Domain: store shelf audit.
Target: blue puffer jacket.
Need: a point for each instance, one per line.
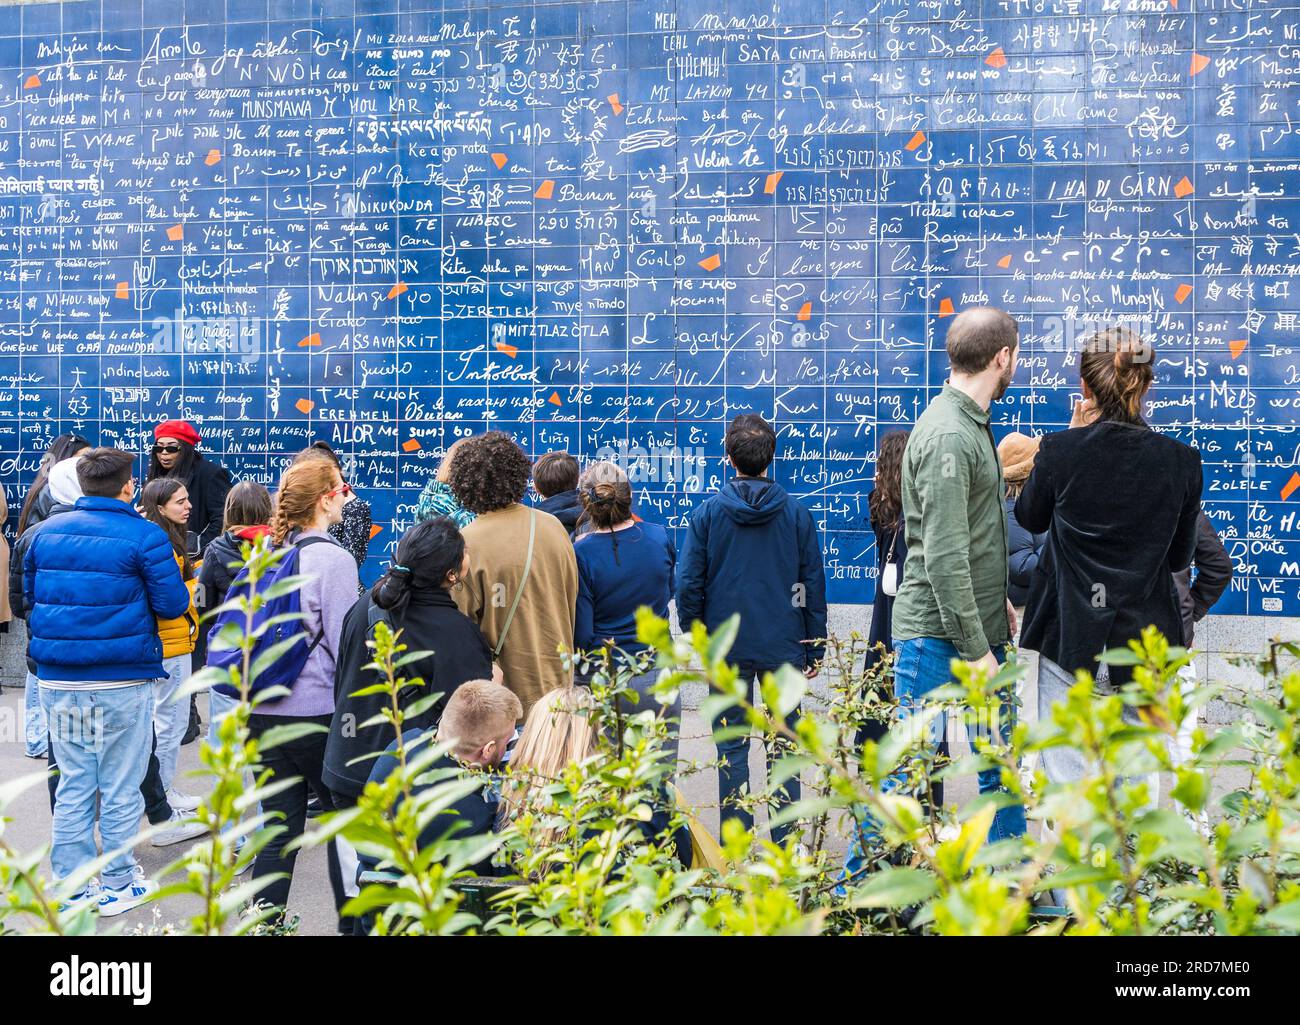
(96, 580)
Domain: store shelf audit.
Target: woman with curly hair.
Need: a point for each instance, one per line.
(523, 585)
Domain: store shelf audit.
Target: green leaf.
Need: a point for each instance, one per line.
(271, 655)
(721, 640)
(1285, 917)
(278, 735)
(422, 705)
(895, 887)
(790, 686)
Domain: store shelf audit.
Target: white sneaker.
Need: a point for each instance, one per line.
(133, 894)
(90, 895)
(179, 828)
(182, 802)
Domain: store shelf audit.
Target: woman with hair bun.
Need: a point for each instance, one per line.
(1119, 504)
(623, 563)
(415, 597)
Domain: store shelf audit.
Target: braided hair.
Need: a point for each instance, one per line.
(301, 487)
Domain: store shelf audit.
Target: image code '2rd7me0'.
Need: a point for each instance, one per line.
(609, 227)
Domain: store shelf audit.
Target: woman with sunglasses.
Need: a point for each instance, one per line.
(309, 500)
(206, 481)
(353, 531)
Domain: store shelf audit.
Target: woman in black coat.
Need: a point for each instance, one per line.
(1119, 503)
(414, 596)
(208, 482)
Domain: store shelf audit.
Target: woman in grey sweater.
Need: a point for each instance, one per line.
(310, 498)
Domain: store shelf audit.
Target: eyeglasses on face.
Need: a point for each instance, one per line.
(170, 449)
(342, 489)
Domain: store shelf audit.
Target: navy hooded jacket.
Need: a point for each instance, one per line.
(751, 548)
(94, 579)
(565, 507)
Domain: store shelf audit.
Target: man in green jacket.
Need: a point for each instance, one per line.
(952, 603)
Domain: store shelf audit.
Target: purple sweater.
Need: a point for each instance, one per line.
(326, 597)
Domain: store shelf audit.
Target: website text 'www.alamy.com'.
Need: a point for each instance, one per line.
(1183, 992)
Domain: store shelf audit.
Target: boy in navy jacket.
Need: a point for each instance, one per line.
(95, 581)
(752, 549)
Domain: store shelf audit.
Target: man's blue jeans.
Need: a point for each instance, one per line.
(102, 739)
(920, 665)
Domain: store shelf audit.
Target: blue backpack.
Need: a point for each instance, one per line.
(286, 667)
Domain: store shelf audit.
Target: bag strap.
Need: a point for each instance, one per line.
(374, 614)
(300, 542)
(528, 565)
(893, 541)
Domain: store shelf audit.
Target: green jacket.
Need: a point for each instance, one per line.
(955, 578)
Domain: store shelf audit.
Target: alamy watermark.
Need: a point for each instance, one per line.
(1070, 334)
(185, 335)
(670, 464)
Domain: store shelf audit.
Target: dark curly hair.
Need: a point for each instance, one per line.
(886, 500)
(490, 472)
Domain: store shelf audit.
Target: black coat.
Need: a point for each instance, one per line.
(1213, 572)
(208, 485)
(882, 608)
(431, 622)
(1119, 503)
(1023, 552)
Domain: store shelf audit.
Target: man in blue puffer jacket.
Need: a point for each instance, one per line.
(752, 549)
(95, 580)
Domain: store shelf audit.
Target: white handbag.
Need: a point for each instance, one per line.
(889, 577)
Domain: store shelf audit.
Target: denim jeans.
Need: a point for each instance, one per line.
(102, 741)
(35, 731)
(156, 807)
(219, 706)
(733, 771)
(920, 665)
(170, 717)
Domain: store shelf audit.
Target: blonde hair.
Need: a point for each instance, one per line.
(559, 732)
(301, 487)
(478, 712)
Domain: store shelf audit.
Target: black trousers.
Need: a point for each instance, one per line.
(301, 759)
(156, 807)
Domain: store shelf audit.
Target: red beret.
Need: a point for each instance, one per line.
(181, 430)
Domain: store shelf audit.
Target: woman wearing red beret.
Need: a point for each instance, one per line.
(206, 481)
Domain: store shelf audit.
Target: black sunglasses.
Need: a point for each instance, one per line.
(166, 448)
